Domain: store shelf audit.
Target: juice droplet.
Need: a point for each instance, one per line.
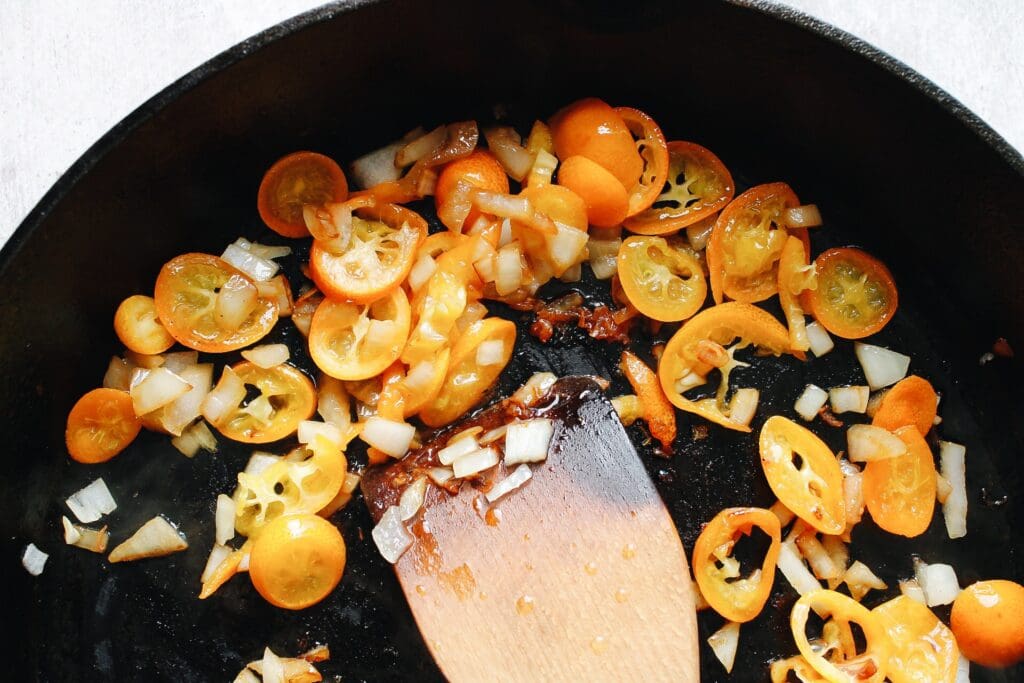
(526, 537)
(629, 552)
(493, 517)
(621, 595)
(599, 644)
(421, 590)
(590, 568)
(529, 566)
(524, 605)
(483, 596)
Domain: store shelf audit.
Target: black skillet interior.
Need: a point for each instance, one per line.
(896, 168)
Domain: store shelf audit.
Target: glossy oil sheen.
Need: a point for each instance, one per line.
(895, 165)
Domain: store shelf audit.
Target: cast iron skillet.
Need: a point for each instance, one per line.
(897, 166)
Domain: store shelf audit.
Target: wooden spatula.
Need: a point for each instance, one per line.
(579, 575)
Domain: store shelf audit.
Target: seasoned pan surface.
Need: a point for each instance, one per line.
(895, 168)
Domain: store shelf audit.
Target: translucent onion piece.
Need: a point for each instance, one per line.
(118, 374)
(849, 399)
(882, 367)
(224, 519)
(819, 339)
(391, 536)
(528, 441)
(490, 352)
(952, 459)
(865, 443)
(457, 448)
(376, 167)
(159, 387)
(388, 436)
(155, 538)
(412, 498)
(938, 581)
(91, 502)
(258, 268)
(225, 397)
(475, 462)
(218, 554)
(517, 478)
(506, 145)
(33, 559)
(810, 402)
(179, 414)
(268, 355)
(724, 642)
(860, 579)
(792, 567)
(806, 216)
(235, 302)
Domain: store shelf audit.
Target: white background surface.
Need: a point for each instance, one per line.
(70, 70)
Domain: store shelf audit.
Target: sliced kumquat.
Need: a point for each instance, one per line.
(911, 401)
(591, 128)
(605, 197)
(100, 425)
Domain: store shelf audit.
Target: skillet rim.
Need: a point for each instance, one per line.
(144, 112)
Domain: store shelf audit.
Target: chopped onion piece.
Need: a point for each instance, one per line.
(505, 236)
(865, 443)
(793, 568)
(273, 667)
(628, 408)
(534, 389)
(93, 540)
(724, 642)
(218, 554)
(506, 145)
(71, 532)
(527, 441)
(783, 513)
(860, 579)
(118, 374)
(309, 429)
(391, 536)
(543, 169)
(333, 403)
(517, 478)
(256, 267)
(490, 352)
(258, 462)
(475, 462)
(419, 376)
(141, 360)
(509, 270)
(377, 166)
(198, 436)
(225, 397)
(573, 273)
(412, 498)
(266, 251)
(912, 589)
(457, 448)
(159, 387)
(179, 414)
(953, 467)
(420, 147)
(277, 289)
(882, 367)
(849, 399)
(92, 502)
(33, 559)
(604, 257)
(875, 402)
(235, 301)
(853, 492)
(224, 519)
(267, 356)
(440, 475)
(388, 436)
(180, 361)
(817, 557)
(840, 555)
(938, 581)
(806, 216)
(819, 340)
(421, 271)
(566, 247)
(743, 405)
(155, 538)
(699, 233)
(810, 402)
